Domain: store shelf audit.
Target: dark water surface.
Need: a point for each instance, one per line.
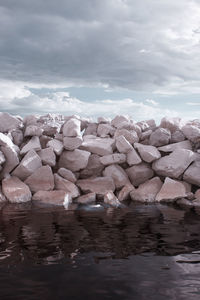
(144, 252)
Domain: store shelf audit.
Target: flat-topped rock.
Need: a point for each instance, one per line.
(171, 190)
(139, 173)
(15, 190)
(56, 145)
(118, 175)
(180, 145)
(47, 156)
(74, 160)
(72, 143)
(33, 144)
(148, 153)
(51, 197)
(8, 122)
(41, 180)
(33, 130)
(160, 137)
(147, 191)
(87, 199)
(97, 145)
(98, 185)
(66, 185)
(67, 174)
(72, 128)
(115, 158)
(174, 164)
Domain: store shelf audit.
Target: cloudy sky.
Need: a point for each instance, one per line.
(100, 57)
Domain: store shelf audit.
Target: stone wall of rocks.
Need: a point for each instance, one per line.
(57, 159)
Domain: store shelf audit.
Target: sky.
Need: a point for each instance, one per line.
(100, 57)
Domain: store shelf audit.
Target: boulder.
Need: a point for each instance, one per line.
(94, 167)
(105, 130)
(91, 129)
(119, 119)
(44, 139)
(147, 191)
(41, 180)
(123, 146)
(133, 158)
(28, 165)
(130, 135)
(111, 199)
(56, 145)
(160, 137)
(66, 185)
(15, 190)
(72, 127)
(72, 143)
(87, 199)
(177, 136)
(192, 174)
(145, 135)
(147, 152)
(116, 158)
(8, 122)
(124, 193)
(180, 145)
(139, 173)
(172, 124)
(17, 136)
(96, 145)
(98, 185)
(33, 144)
(51, 197)
(74, 160)
(191, 132)
(174, 164)
(47, 156)
(33, 130)
(171, 190)
(118, 175)
(67, 174)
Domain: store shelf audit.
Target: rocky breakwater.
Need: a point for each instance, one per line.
(55, 159)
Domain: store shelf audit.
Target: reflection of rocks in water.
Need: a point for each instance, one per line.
(46, 235)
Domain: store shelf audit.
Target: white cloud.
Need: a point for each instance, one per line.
(193, 103)
(153, 102)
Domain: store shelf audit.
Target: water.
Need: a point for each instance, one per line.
(143, 252)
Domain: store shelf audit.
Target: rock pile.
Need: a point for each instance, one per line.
(60, 160)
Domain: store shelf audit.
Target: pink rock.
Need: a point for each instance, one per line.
(33, 130)
(101, 120)
(98, 185)
(94, 167)
(147, 152)
(192, 174)
(160, 137)
(56, 145)
(87, 199)
(30, 120)
(8, 122)
(133, 158)
(116, 158)
(119, 119)
(111, 199)
(17, 136)
(105, 130)
(130, 135)
(47, 156)
(174, 164)
(28, 165)
(191, 132)
(180, 145)
(72, 143)
(67, 174)
(147, 191)
(118, 175)
(91, 129)
(177, 136)
(44, 139)
(123, 145)
(41, 180)
(172, 124)
(72, 127)
(139, 173)
(145, 135)
(171, 190)
(97, 145)
(124, 193)
(51, 197)
(74, 160)
(33, 144)
(15, 190)
(66, 185)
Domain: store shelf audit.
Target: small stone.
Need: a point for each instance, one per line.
(87, 199)
(160, 137)
(72, 143)
(147, 191)
(123, 146)
(15, 190)
(116, 158)
(171, 190)
(74, 160)
(72, 128)
(118, 175)
(33, 130)
(33, 144)
(98, 185)
(41, 180)
(148, 153)
(111, 199)
(66, 185)
(51, 197)
(67, 174)
(56, 145)
(139, 173)
(47, 156)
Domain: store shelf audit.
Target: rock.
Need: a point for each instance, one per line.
(174, 164)
(74, 160)
(123, 145)
(111, 199)
(119, 119)
(160, 137)
(87, 199)
(171, 190)
(8, 122)
(173, 124)
(133, 158)
(51, 197)
(28, 165)
(33, 144)
(103, 120)
(17, 136)
(2, 158)
(47, 156)
(41, 180)
(72, 143)
(44, 139)
(116, 158)
(105, 130)
(33, 130)
(180, 145)
(72, 128)
(148, 153)
(191, 132)
(177, 136)
(185, 203)
(67, 174)
(98, 185)
(30, 120)
(96, 145)
(91, 129)
(15, 190)
(118, 175)
(56, 145)
(139, 173)
(66, 185)
(192, 174)
(131, 136)
(124, 193)
(147, 191)
(145, 135)
(94, 167)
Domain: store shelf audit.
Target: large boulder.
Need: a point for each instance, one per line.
(72, 143)
(174, 164)
(160, 137)
(116, 158)
(177, 136)
(180, 145)
(8, 122)
(147, 152)
(171, 190)
(72, 128)
(47, 156)
(74, 160)
(94, 167)
(97, 145)
(33, 130)
(191, 132)
(15, 190)
(147, 191)
(66, 185)
(41, 180)
(192, 174)
(98, 185)
(139, 173)
(172, 124)
(118, 175)
(33, 144)
(28, 165)
(51, 197)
